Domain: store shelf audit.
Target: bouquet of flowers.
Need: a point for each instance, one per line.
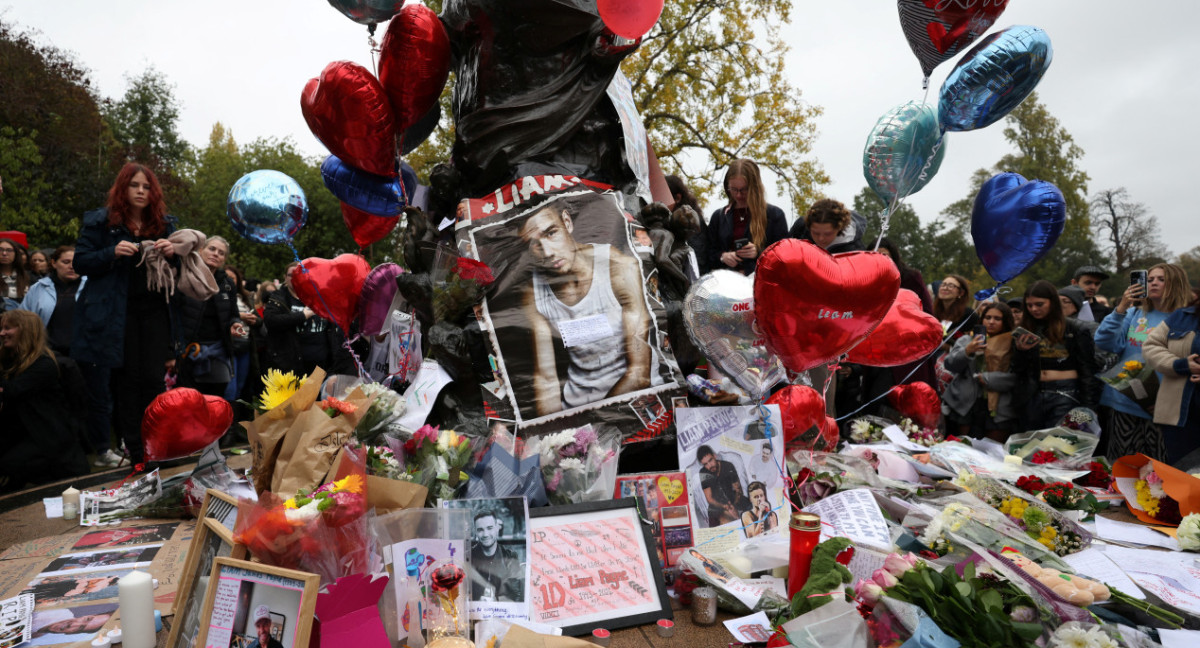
(323, 531)
(382, 462)
(1135, 380)
(578, 465)
(868, 429)
(1188, 533)
(438, 459)
(458, 284)
(948, 525)
(278, 387)
(1036, 516)
(927, 437)
(1059, 447)
(1153, 498)
(386, 409)
(1099, 476)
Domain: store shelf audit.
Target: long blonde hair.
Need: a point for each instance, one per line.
(31, 343)
(756, 198)
(1177, 290)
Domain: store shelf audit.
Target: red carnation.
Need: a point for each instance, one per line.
(1044, 457)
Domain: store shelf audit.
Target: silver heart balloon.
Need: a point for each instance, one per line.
(719, 313)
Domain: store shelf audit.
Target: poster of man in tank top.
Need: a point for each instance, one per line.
(572, 329)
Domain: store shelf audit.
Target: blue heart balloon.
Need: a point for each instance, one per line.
(903, 151)
(267, 207)
(993, 78)
(1015, 222)
(364, 191)
(366, 12)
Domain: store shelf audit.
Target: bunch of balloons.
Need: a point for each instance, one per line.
(361, 119)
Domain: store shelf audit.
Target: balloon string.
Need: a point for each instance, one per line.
(917, 366)
(790, 489)
(362, 371)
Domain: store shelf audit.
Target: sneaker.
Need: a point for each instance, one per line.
(108, 459)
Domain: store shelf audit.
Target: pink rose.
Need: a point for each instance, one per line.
(868, 592)
(896, 565)
(884, 579)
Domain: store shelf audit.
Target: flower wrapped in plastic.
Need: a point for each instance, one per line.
(1058, 447)
(458, 284)
(1038, 518)
(438, 460)
(868, 429)
(578, 465)
(324, 531)
(1135, 380)
(386, 409)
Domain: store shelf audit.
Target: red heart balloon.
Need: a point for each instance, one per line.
(367, 228)
(629, 18)
(811, 306)
(182, 421)
(332, 287)
(918, 401)
(907, 334)
(347, 109)
(804, 422)
(414, 61)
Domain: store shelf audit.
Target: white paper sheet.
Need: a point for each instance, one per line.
(53, 507)
(1133, 534)
(422, 393)
(1179, 638)
(853, 514)
(1092, 562)
(898, 437)
(1172, 577)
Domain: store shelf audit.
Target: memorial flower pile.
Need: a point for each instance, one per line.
(1060, 447)
(382, 462)
(1188, 533)
(437, 459)
(868, 429)
(927, 437)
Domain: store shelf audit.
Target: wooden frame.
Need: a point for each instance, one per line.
(217, 506)
(625, 586)
(209, 542)
(230, 579)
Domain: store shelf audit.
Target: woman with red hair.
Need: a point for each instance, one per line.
(123, 330)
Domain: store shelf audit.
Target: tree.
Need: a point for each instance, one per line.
(710, 84)
(1130, 232)
(48, 97)
(1190, 262)
(27, 192)
(1045, 151)
(145, 120)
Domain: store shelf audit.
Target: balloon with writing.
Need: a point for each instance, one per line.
(267, 207)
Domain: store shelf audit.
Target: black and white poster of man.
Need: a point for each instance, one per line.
(499, 570)
(721, 449)
(572, 328)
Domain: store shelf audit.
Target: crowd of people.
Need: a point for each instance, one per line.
(137, 306)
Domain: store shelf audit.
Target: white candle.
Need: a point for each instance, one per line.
(136, 592)
(71, 496)
(70, 511)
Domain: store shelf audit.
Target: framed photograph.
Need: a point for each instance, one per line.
(499, 572)
(221, 507)
(242, 597)
(211, 541)
(594, 565)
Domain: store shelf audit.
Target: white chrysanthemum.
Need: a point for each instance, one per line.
(571, 463)
(1189, 533)
(1071, 637)
(861, 427)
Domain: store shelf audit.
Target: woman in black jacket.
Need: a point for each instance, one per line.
(208, 327)
(1056, 361)
(39, 434)
(120, 325)
(298, 340)
(740, 231)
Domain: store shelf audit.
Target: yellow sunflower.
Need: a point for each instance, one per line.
(349, 484)
(279, 387)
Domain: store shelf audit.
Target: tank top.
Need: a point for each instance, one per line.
(597, 362)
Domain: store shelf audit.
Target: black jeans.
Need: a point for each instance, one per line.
(135, 385)
(1051, 402)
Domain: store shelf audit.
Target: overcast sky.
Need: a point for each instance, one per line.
(1123, 80)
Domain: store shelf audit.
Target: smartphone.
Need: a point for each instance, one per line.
(1139, 278)
(978, 330)
(1020, 332)
(741, 243)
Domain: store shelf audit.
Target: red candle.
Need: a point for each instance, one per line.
(806, 533)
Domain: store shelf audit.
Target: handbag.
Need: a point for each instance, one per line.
(207, 362)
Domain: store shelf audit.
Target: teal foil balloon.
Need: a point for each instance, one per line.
(994, 77)
(267, 207)
(903, 151)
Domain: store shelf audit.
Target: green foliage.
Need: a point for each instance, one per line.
(47, 96)
(935, 249)
(1190, 262)
(710, 84)
(144, 122)
(26, 191)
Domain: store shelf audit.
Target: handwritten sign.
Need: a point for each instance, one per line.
(585, 330)
(591, 567)
(853, 514)
(220, 629)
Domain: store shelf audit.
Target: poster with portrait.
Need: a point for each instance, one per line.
(499, 556)
(137, 557)
(733, 463)
(663, 497)
(74, 625)
(576, 335)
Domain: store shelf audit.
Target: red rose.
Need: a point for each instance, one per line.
(447, 577)
(472, 270)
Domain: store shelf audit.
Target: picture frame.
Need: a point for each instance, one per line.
(210, 541)
(219, 506)
(240, 590)
(622, 587)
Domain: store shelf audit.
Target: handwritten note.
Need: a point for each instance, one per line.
(422, 393)
(585, 330)
(853, 514)
(1172, 577)
(589, 570)
(1092, 562)
(220, 626)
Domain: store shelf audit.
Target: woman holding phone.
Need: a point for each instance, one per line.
(1055, 356)
(1173, 350)
(1128, 426)
(741, 230)
(980, 398)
